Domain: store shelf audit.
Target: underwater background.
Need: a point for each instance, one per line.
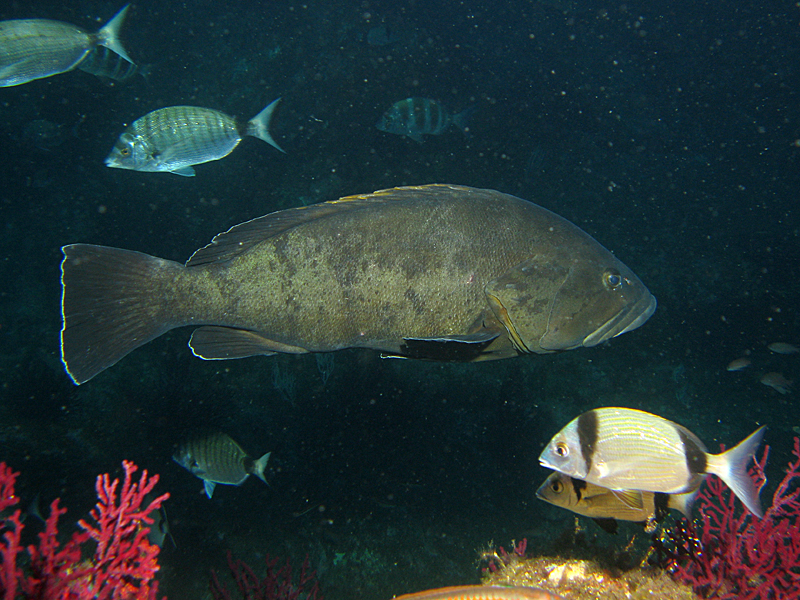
(668, 131)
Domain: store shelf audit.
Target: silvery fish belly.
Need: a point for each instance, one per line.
(437, 272)
(173, 139)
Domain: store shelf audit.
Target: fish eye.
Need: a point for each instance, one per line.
(562, 449)
(612, 279)
(557, 487)
(125, 151)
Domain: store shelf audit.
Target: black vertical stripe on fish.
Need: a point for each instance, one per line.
(578, 485)
(587, 434)
(696, 461)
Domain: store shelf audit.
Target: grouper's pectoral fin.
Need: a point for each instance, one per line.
(222, 343)
(456, 348)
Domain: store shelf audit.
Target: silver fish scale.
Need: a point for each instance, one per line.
(187, 135)
(36, 48)
(220, 458)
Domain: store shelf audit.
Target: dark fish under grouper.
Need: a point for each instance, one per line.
(436, 272)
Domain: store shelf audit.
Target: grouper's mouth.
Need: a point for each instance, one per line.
(628, 319)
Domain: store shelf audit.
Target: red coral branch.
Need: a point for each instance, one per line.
(736, 556)
(123, 564)
(9, 571)
(277, 584)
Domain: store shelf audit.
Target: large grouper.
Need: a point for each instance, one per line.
(438, 272)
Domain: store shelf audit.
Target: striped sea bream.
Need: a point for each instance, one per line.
(217, 458)
(175, 138)
(415, 117)
(32, 49)
(628, 449)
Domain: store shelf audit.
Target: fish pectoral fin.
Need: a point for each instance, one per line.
(184, 172)
(448, 348)
(631, 498)
(222, 343)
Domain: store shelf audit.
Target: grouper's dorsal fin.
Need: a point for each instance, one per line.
(241, 238)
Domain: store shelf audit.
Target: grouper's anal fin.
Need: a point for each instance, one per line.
(456, 348)
(223, 343)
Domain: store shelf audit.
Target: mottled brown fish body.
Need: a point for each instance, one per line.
(438, 272)
(483, 592)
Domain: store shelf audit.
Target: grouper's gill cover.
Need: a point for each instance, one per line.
(581, 297)
(437, 272)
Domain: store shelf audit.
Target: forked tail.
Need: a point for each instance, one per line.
(112, 302)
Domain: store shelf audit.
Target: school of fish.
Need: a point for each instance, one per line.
(437, 272)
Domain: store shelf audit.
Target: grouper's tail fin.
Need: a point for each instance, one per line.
(111, 304)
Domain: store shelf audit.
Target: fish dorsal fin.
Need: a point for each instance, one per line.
(241, 238)
(630, 498)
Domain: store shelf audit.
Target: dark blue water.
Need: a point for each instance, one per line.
(668, 131)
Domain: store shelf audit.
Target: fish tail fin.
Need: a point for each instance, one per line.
(260, 465)
(463, 119)
(108, 36)
(258, 126)
(731, 466)
(109, 306)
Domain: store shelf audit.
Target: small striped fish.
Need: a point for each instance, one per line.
(175, 138)
(36, 48)
(483, 592)
(415, 117)
(217, 458)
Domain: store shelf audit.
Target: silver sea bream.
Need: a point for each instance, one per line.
(628, 449)
(37, 48)
(175, 138)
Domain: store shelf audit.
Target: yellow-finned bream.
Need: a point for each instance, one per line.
(436, 272)
(216, 458)
(36, 48)
(606, 506)
(628, 449)
(175, 138)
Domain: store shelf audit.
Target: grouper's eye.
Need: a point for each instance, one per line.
(125, 151)
(562, 449)
(557, 487)
(612, 279)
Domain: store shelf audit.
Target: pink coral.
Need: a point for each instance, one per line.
(277, 584)
(123, 564)
(735, 555)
